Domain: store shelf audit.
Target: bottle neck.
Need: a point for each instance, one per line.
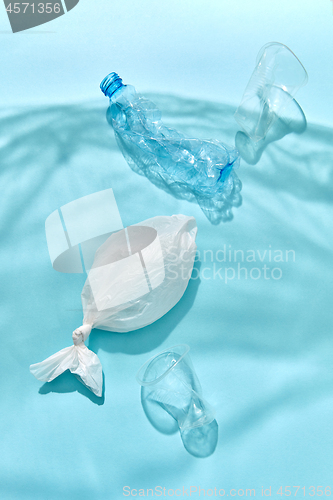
(111, 84)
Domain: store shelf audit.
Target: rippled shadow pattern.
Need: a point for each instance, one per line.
(38, 142)
(263, 349)
(55, 134)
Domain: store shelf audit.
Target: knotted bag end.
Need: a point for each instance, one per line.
(78, 359)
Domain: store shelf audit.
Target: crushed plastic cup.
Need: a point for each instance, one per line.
(277, 77)
(171, 397)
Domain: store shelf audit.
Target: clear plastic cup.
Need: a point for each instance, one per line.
(171, 390)
(274, 82)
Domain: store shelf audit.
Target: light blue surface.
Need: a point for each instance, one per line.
(262, 349)
(198, 48)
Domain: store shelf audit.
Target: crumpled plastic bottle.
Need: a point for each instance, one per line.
(191, 169)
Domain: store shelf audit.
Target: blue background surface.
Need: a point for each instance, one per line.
(262, 349)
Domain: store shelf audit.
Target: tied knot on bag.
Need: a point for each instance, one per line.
(78, 359)
(81, 334)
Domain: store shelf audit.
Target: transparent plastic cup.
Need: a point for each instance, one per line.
(274, 82)
(171, 396)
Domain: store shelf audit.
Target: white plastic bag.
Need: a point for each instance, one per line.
(137, 276)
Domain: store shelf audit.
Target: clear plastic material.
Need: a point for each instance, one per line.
(137, 276)
(171, 396)
(291, 120)
(191, 169)
(274, 82)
